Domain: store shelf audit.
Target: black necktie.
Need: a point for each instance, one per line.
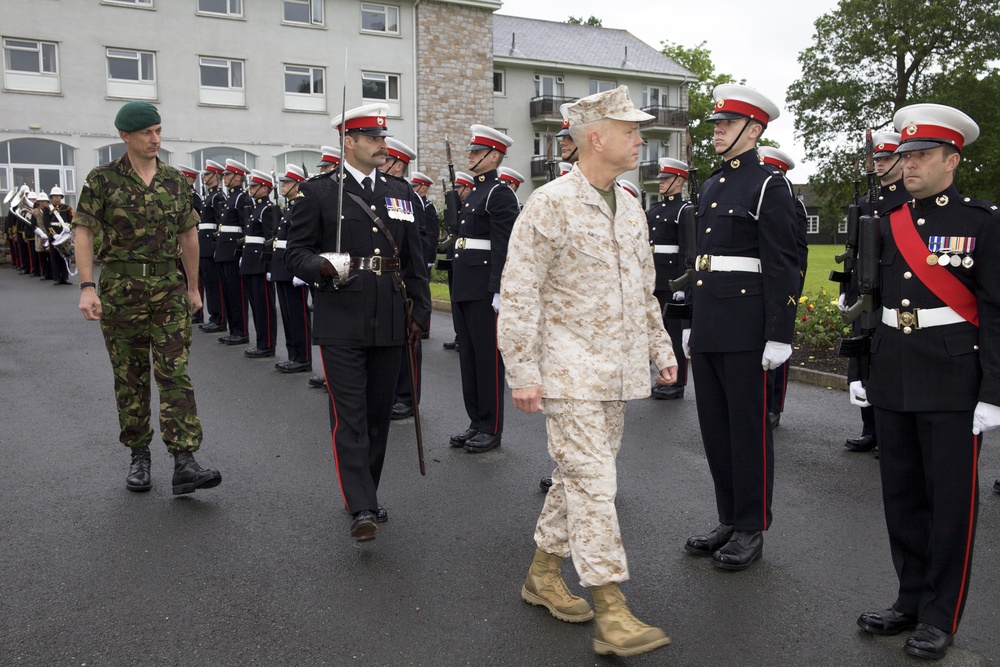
(366, 183)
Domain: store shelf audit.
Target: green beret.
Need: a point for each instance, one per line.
(136, 116)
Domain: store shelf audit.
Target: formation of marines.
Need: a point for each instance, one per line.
(739, 241)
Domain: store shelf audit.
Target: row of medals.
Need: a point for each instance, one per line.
(944, 259)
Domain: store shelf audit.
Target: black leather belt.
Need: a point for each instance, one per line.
(376, 264)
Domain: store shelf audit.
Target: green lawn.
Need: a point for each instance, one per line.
(821, 262)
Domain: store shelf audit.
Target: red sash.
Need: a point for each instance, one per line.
(938, 279)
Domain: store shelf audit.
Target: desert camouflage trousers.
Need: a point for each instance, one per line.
(143, 315)
(579, 517)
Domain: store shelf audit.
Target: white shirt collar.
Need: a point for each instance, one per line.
(359, 175)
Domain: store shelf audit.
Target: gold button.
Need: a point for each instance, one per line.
(743, 291)
(714, 204)
(699, 283)
(904, 302)
(708, 230)
(375, 229)
(722, 180)
(920, 221)
(907, 330)
(907, 275)
(373, 207)
(377, 251)
(975, 347)
(730, 211)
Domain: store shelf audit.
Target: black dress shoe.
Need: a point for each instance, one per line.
(996, 486)
(460, 439)
(668, 392)
(425, 335)
(257, 353)
(212, 327)
(363, 528)
(194, 320)
(189, 476)
(708, 544)
(928, 642)
(317, 381)
(546, 483)
(482, 442)
(865, 443)
(234, 340)
(450, 345)
(382, 515)
(401, 411)
(875, 451)
(885, 623)
(774, 418)
(739, 553)
(138, 473)
(280, 365)
(298, 367)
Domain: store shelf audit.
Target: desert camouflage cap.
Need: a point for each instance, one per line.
(614, 104)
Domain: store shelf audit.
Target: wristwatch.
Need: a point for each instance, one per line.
(88, 284)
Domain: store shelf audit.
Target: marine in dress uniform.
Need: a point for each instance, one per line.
(359, 321)
(512, 178)
(745, 292)
(891, 195)
(255, 264)
(212, 212)
(293, 295)
(934, 377)
(329, 160)
(198, 205)
(663, 219)
(463, 186)
(777, 378)
(485, 222)
(41, 241)
(57, 224)
(567, 147)
(235, 218)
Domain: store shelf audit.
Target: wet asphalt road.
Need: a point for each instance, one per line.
(261, 570)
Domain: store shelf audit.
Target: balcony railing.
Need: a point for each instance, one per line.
(648, 171)
(547, 106)
(540, 167)
(665, 117)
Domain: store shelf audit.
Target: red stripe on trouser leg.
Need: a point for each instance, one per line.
(764, 426)
(333, 431)
(968, 538)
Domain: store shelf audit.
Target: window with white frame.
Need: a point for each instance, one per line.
(382, 19)
(308, 12)
(378, 87)
(601, 86)
(841, 228)
(222, 82)
(548, 85)
(30, 65)
(541, 145)
(654, 96)
(233, 8)
(812, 224)
(304, 88)
(131, 74)
(499, 83)
(132, 3)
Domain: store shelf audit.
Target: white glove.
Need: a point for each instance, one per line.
(679, 295)
(40, 234)
(496, 303)
(241, 262)
(985, 418)
(268, 275)
(859, 396)
(430, 266)
(775, 354)
(297, 282)
(842, 303)
(685, 337)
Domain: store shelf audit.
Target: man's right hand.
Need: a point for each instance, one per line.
(326, 269)
(528, 399)
(90, 304)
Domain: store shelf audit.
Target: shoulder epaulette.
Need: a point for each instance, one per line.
(980, 203)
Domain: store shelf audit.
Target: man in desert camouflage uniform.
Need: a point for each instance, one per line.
(143, 209)
(579, 270)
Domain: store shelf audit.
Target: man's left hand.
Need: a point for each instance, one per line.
(413, 335)
(667, 376)
(775, 354)
(527, 399)
(985, 418)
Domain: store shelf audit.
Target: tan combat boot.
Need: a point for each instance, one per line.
(618, 631)
(544, 586)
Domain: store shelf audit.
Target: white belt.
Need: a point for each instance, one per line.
(920, 318)
(255, 239)
(472, 244)
(666, 249)
(723, 263)
(281, 244)
(230, 229)
(206, 225)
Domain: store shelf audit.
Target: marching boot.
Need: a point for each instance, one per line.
(189, 476)
(138, 473)
(544, 587)
(618, 631)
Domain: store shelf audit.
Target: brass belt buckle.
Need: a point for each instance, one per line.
(147, 270)
(907, 319)
(376, 266)
(704, 262)
(460, 243)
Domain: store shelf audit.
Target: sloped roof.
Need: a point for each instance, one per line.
(567, 43)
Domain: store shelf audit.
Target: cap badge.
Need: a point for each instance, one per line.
(380, 120)
(720, 104)
(881, 147)
(912, 129)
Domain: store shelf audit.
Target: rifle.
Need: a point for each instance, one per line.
(688, 229)
(411, 366)
(452, 204)
(867, 269)
(850, 255)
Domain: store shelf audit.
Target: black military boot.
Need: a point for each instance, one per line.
(189, 476)
(138, 473)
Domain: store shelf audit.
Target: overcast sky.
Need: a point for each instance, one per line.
(782, 28)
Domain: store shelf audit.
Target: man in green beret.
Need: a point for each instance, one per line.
(142, 207)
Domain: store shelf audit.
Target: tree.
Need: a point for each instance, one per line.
(869, 58)
(592, 21)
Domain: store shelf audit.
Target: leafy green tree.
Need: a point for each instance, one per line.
(869, 58)
(592, 21)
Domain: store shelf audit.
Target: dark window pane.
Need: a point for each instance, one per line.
(35, 151)
(121, 68)
(296, 12)
(217, 77)
(23, 61)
